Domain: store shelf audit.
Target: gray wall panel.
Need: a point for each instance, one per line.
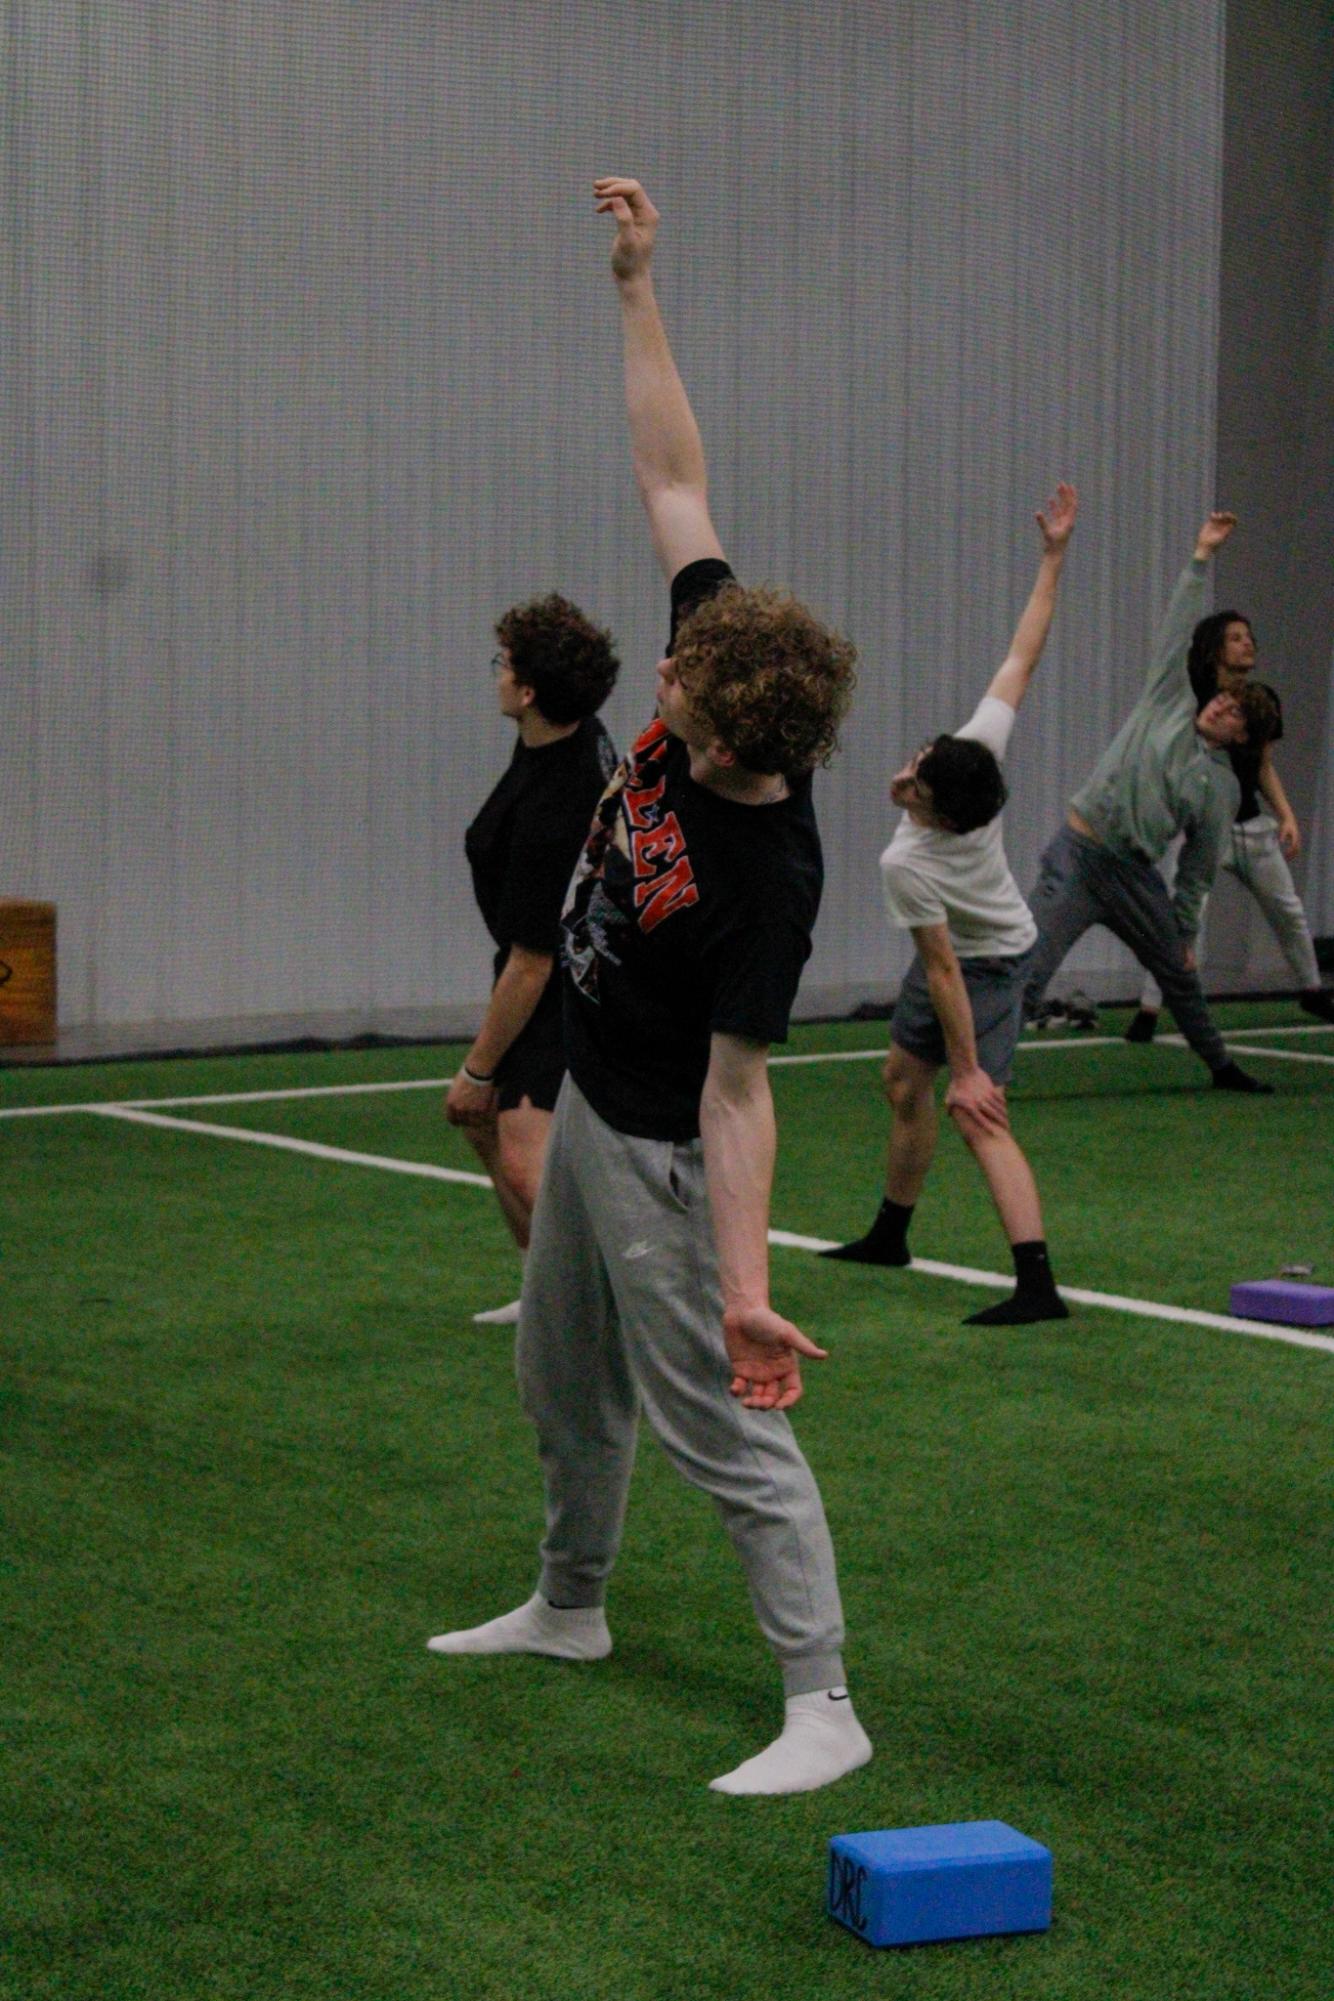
(1276, 422)
(318, 369)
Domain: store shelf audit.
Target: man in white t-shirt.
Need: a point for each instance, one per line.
(946, 879)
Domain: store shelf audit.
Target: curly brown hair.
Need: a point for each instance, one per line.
(768, 681)
(1259, 708)
(569, 663)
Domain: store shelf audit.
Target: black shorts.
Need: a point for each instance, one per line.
(533, 1066)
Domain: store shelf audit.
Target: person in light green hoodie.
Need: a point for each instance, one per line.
(1166, 772)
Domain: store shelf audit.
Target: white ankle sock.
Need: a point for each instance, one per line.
(498, 1316)
(578, 1633)
(502, 1316)
(821, 1740)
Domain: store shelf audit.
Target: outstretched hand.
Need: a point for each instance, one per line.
(763, 1349)
(1057, 519)
(1213, 534)
(636, 223)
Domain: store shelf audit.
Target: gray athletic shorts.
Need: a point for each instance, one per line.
(996, 996)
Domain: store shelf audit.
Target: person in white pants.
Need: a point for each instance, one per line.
(1265, 834)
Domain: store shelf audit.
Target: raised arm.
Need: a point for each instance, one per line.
(664, 437)
(1185, 609)
(1056, 524)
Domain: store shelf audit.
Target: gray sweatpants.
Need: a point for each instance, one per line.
(1081, 884)
(1255, 858)
(622, 1309)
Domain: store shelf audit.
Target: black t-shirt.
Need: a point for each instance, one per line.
(689, 914)
(524, 843)
(1245, 759)
(1246, 763)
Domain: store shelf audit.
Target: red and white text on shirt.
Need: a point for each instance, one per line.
(664, 880)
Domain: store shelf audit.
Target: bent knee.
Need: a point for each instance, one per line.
(522, 1174)
(482, 1140)
(906, 1092)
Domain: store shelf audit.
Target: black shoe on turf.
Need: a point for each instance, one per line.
(1319, 1002)
(1144, 1026)
(1048, 1015)
(1233, 1078)
(869, 1250)
(1021, 1310)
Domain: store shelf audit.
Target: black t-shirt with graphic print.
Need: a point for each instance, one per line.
(688, 914)
(526, 839)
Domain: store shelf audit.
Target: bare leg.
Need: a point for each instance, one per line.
(485, 1143)
(1010, 1180)
(512, 1151)
(1014, 1192)
(910, 1086)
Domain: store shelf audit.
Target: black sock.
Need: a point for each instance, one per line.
(1034, 1297)
(885, 1243)
(1319, 1002)
(1233, 1078)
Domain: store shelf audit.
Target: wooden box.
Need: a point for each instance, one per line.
(27, 971)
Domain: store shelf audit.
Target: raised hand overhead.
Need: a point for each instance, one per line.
(1056, 522)
(1214, 531)
(636, 222)
(1057, 519)
(668, 455)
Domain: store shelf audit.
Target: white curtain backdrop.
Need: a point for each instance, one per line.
(312, 367)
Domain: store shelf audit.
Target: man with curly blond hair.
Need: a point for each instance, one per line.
(687, 925)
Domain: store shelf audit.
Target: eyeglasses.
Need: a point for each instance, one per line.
(498, 664)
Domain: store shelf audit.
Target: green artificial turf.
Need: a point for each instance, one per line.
(254, 1451)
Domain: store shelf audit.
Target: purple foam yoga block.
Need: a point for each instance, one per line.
(1284, 1300)
(918, 1885)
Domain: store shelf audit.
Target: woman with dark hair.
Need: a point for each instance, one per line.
(553, 672)
(1265, 836)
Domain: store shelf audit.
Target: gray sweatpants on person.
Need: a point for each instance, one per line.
(1080, 884)
(622, 1310)
(1255, 858)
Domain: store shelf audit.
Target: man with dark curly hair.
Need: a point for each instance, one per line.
(554, 670)
(1265, 835)
(946, 880)
(1167, 771)
(688, 923)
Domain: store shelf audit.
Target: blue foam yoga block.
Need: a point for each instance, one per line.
(1285, 1300)
(913, 1885)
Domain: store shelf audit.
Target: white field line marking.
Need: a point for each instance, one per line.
(1294, 1028)
(775, 1062)
(233, 1097)
(305, 1091)
(1281, 1055)
(1114, 1302)
(784, 1239)
(285, 1144)
(879, 1055)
